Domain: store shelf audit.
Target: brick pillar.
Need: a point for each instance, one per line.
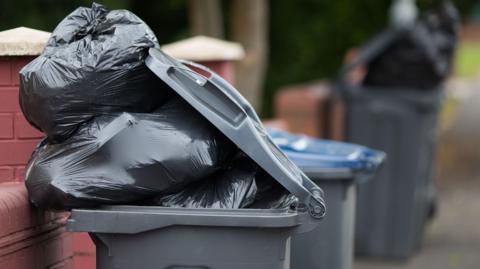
(29, 238)
(216, 54)
(17, 137)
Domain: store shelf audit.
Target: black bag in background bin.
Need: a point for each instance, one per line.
(126, 158)
(92, 64)
(419, 57)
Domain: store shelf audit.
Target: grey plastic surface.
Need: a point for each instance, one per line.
(139, 219)
(184, 247)
(392, 208)
(330, 244)
(316, 174)
(161, 238)
(227, 110)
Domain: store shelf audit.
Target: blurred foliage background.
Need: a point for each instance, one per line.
(308, 38)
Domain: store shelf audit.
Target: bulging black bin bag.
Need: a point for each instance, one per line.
(92, 64)
(126, 158)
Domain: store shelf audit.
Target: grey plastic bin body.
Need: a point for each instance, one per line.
(168, 238)
(330, 244)
(392, 208)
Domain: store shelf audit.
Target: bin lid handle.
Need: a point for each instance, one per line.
(226, 109)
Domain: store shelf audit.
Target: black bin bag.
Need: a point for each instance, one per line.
(127, 158)
(232, 187)
(419, 57)
(240, 184)
(92, 64)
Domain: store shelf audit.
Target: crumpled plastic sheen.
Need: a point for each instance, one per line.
(92, 64)
(232, 187)
(241, 184)
(125, 158)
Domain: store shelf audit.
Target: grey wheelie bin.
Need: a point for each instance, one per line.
(337, 168)
(158, 237)
(181, 238)
(393, 207)
(395, 109)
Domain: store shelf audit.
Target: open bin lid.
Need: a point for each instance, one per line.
(223, 106)
(326, 158)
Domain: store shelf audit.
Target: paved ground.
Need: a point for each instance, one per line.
(453, 238)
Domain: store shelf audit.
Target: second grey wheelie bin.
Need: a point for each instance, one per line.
(394, 206)
(395, 109)
(337, 168)
(181, 238)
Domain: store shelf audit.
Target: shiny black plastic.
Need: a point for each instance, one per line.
(241, 184)
(233, 187)
(92, 64)
(126, 158)
(270, 194)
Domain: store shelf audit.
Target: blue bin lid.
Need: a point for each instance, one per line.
(325, 155)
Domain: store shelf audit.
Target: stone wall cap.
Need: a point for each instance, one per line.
(22, 41)
(203, 48)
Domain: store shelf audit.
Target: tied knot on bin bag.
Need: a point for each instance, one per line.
(117, 134)
(81, 28)
(92, 64)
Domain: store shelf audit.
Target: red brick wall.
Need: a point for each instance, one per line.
(17, 140)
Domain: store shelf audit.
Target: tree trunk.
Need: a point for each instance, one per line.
(206, 18)
(250, 28)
